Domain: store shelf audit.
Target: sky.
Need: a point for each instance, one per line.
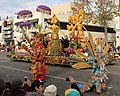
(10, 7)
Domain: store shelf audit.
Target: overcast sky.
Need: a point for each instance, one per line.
(10, 7)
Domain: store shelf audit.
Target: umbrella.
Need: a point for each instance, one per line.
(44, 9)
(24, 14)
(24, 23)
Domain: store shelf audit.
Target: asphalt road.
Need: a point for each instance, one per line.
(56, 75)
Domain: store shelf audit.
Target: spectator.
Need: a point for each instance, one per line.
(7, 88)
(65, 45)
(51, 90)
(65, 42)
(45, 42)
(16, 89)
(8, 48)
(72, 92)
(26, 85)
(37, 88)
(75, 86)
(2, 87)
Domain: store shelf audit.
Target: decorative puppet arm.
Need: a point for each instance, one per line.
(73, 28)
(47, 30)
(62, 32)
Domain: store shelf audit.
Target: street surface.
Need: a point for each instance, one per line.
(56, 75)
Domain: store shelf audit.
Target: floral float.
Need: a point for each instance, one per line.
(81, 49)
(83, 53)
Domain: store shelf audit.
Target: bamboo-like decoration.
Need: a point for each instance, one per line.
(97, 43)
(102, 43)
(79, 53)
(91, 44)
(91, 41)
(89, 47)
(105, 50)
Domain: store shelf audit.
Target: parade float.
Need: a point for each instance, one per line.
(82, 50)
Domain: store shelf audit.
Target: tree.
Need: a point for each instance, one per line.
(99, 11)
(79, 4)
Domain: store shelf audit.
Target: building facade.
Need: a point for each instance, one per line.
(117, 29)
(7, 32)
(62, 12)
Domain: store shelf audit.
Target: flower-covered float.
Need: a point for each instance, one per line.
(83, 53)
(82, 50)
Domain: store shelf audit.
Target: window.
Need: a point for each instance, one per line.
(63, 25)
(5, 23)
(0, 29)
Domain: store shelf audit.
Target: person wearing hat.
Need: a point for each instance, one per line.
(37, 88)
(75, 86)
(50, 90)
(72, 92)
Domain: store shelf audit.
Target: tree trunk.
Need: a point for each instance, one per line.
(106, 35)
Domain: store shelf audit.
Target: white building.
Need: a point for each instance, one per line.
(63, 11)
(1, 39)
(6, 34)
(117, 28)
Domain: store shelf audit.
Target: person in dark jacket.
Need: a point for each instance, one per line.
(7, 88)
(16, 89)
(65, 45)
(2, 87)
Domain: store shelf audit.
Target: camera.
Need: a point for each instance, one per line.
(25, 78)
(67, 79)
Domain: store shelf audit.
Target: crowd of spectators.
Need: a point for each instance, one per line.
(19, 88)
(35, 88)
